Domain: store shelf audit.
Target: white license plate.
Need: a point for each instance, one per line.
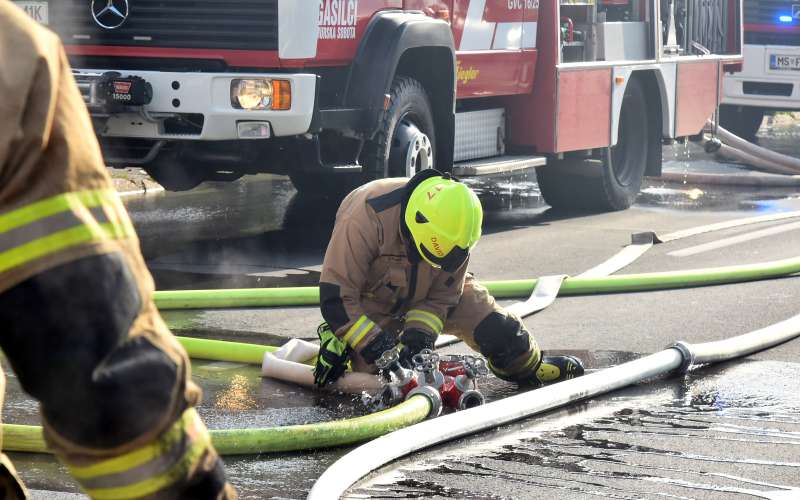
(778, 61)
(37, 10)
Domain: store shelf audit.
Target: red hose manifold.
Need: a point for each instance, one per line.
(453, 376)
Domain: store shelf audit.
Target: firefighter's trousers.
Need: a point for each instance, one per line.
(486, 327)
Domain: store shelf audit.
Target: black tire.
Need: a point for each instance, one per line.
(409, 111)
(743, 121)
(612, 180)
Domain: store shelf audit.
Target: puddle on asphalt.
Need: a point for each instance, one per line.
(733, 433)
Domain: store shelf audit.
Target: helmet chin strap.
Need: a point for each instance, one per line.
(411, 249)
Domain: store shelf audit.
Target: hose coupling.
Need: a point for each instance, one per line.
(687, 354)
(433, 396)
(470, 399)
(712, 145)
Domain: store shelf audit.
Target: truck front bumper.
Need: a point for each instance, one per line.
(760, 85)
(189, 95)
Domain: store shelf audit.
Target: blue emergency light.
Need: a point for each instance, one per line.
(785, 19)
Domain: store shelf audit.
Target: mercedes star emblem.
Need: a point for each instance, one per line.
(110, 14)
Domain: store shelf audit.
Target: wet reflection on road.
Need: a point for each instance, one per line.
(264, 234)
(727, 435)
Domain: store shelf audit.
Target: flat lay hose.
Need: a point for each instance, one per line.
(306, 296)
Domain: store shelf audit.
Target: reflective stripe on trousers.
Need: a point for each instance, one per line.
(148, 469)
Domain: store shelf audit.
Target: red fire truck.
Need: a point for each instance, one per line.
(335, 92)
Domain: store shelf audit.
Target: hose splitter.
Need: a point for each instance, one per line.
(448, 381)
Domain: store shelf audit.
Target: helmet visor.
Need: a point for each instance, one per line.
(450, 262)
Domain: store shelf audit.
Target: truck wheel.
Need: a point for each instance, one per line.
(403, 143)
(743, 121)
(613, 179)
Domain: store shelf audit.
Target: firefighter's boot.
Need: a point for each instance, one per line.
(554, 369)
(513, 354)
(544, 371)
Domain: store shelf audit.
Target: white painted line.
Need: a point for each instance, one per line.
(726, 242)
(694, 231)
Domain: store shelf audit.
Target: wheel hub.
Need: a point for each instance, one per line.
(411, 151)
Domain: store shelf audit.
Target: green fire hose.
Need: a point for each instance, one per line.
(416, 409)
(221, 350)
(306, 296)
(28, 438)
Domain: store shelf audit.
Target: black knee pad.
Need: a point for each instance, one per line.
(65, 335)
(502, 338)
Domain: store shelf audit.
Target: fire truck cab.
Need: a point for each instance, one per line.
(770, 76)
(338, 92)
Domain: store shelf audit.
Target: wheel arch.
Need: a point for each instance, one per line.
(409, 44)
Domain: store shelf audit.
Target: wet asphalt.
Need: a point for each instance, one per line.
(728, 431)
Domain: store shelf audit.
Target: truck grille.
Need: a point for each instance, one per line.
(766, 12)
(206, 24)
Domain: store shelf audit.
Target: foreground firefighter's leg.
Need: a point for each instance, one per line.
(112, 383)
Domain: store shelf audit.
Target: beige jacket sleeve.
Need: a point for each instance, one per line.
(431, 313)
(47, 149)
(352, 248)
(57, 206)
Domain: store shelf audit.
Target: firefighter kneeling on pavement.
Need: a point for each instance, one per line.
(395, 277)
(80, 328)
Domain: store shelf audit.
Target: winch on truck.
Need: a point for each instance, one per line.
(339, 92)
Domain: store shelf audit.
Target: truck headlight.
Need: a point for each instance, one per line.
(251, 94)
(261, 93)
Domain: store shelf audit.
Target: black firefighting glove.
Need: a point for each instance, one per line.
(412, 341)
(332, 358)
(380, 343)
